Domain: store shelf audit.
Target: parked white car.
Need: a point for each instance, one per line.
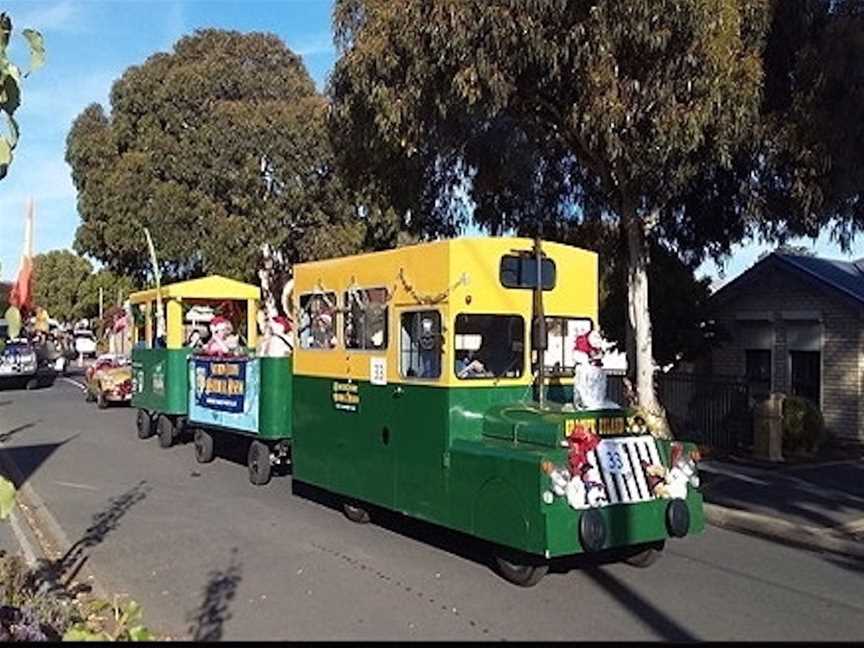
(85, 343)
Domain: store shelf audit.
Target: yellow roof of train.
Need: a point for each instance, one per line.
(212, 287)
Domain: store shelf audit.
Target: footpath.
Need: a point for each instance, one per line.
(818, 506)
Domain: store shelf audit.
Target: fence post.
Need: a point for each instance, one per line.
(768, 428)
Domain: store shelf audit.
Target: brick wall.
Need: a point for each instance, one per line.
(775, 293)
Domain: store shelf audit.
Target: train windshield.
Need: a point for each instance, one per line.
(489, 346)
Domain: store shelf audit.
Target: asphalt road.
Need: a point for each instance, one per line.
(210, 556)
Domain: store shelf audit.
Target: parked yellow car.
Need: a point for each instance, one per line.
(109, 380)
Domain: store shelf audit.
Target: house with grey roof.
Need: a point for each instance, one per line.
(795, 325)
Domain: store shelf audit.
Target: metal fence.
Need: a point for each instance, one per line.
(711, 410)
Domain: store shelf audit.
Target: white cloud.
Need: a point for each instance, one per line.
(50, 98)
(313, 45)
(60, 16)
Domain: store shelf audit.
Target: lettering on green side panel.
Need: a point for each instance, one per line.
(346, 396)
(159, 379)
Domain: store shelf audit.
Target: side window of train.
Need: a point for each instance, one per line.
(366, 318)
(317, 322)
(420, 344)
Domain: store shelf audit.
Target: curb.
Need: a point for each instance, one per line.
(50, 541)
(812, 538)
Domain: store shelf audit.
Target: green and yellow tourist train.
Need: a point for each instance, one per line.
(436, 380)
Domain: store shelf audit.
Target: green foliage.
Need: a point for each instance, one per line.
(546, 106)
(217, 147)
(810, 166)
(57, 279)
(547, 112)
(111, 284)
(122, 623)
(677, 302)
(803, 425)
(26, 590)
(7, 497)
(10, 86)
(66, 286)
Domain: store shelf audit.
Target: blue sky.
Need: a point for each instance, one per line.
(90, 43)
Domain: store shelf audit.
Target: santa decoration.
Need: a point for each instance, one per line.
(277, 342)
(222, 341)
(589, 385)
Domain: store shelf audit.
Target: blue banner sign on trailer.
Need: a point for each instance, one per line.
(224, 392)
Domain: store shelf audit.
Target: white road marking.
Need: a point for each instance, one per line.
(73, 382)
(71, 485)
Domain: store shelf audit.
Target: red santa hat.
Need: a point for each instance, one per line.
(283, 321)
(584, 345)
(218, 321)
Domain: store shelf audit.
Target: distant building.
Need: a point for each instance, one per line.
(796, 326)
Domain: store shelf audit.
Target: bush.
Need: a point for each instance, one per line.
(31, 609)
(803, 425)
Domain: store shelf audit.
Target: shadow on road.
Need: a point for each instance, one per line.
(209, 620)
(233, 448)
(660, 622)
(820, 497)
(102, 525)
(11, 433)
(21, 462)
(847, 562)
(454, 542)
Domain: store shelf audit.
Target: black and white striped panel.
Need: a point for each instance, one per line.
(620, 463)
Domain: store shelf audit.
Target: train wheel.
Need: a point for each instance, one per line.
(646, 557)
(355, 513)
(144, 424)
(165, 426)
(259, 463)
(203, 446)
(521, 574)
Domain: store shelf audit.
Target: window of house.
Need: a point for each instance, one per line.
(317, 322)
(561, 333)
(521, 272)
(366, 318)
(806, 375)
(489, 346)
(758, 371)
(421, 344)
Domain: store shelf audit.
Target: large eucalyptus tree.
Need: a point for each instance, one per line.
(549, 110)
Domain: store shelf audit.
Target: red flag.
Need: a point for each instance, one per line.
(21, 293)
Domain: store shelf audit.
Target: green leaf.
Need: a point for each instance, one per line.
(7, 497)
(80, 632)
(11, 91)
(132, 612)
(5, 30)
(37, 49)
(14, 131)
(5, 151)
(140, 633)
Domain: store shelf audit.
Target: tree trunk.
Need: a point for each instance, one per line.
(639, 345)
